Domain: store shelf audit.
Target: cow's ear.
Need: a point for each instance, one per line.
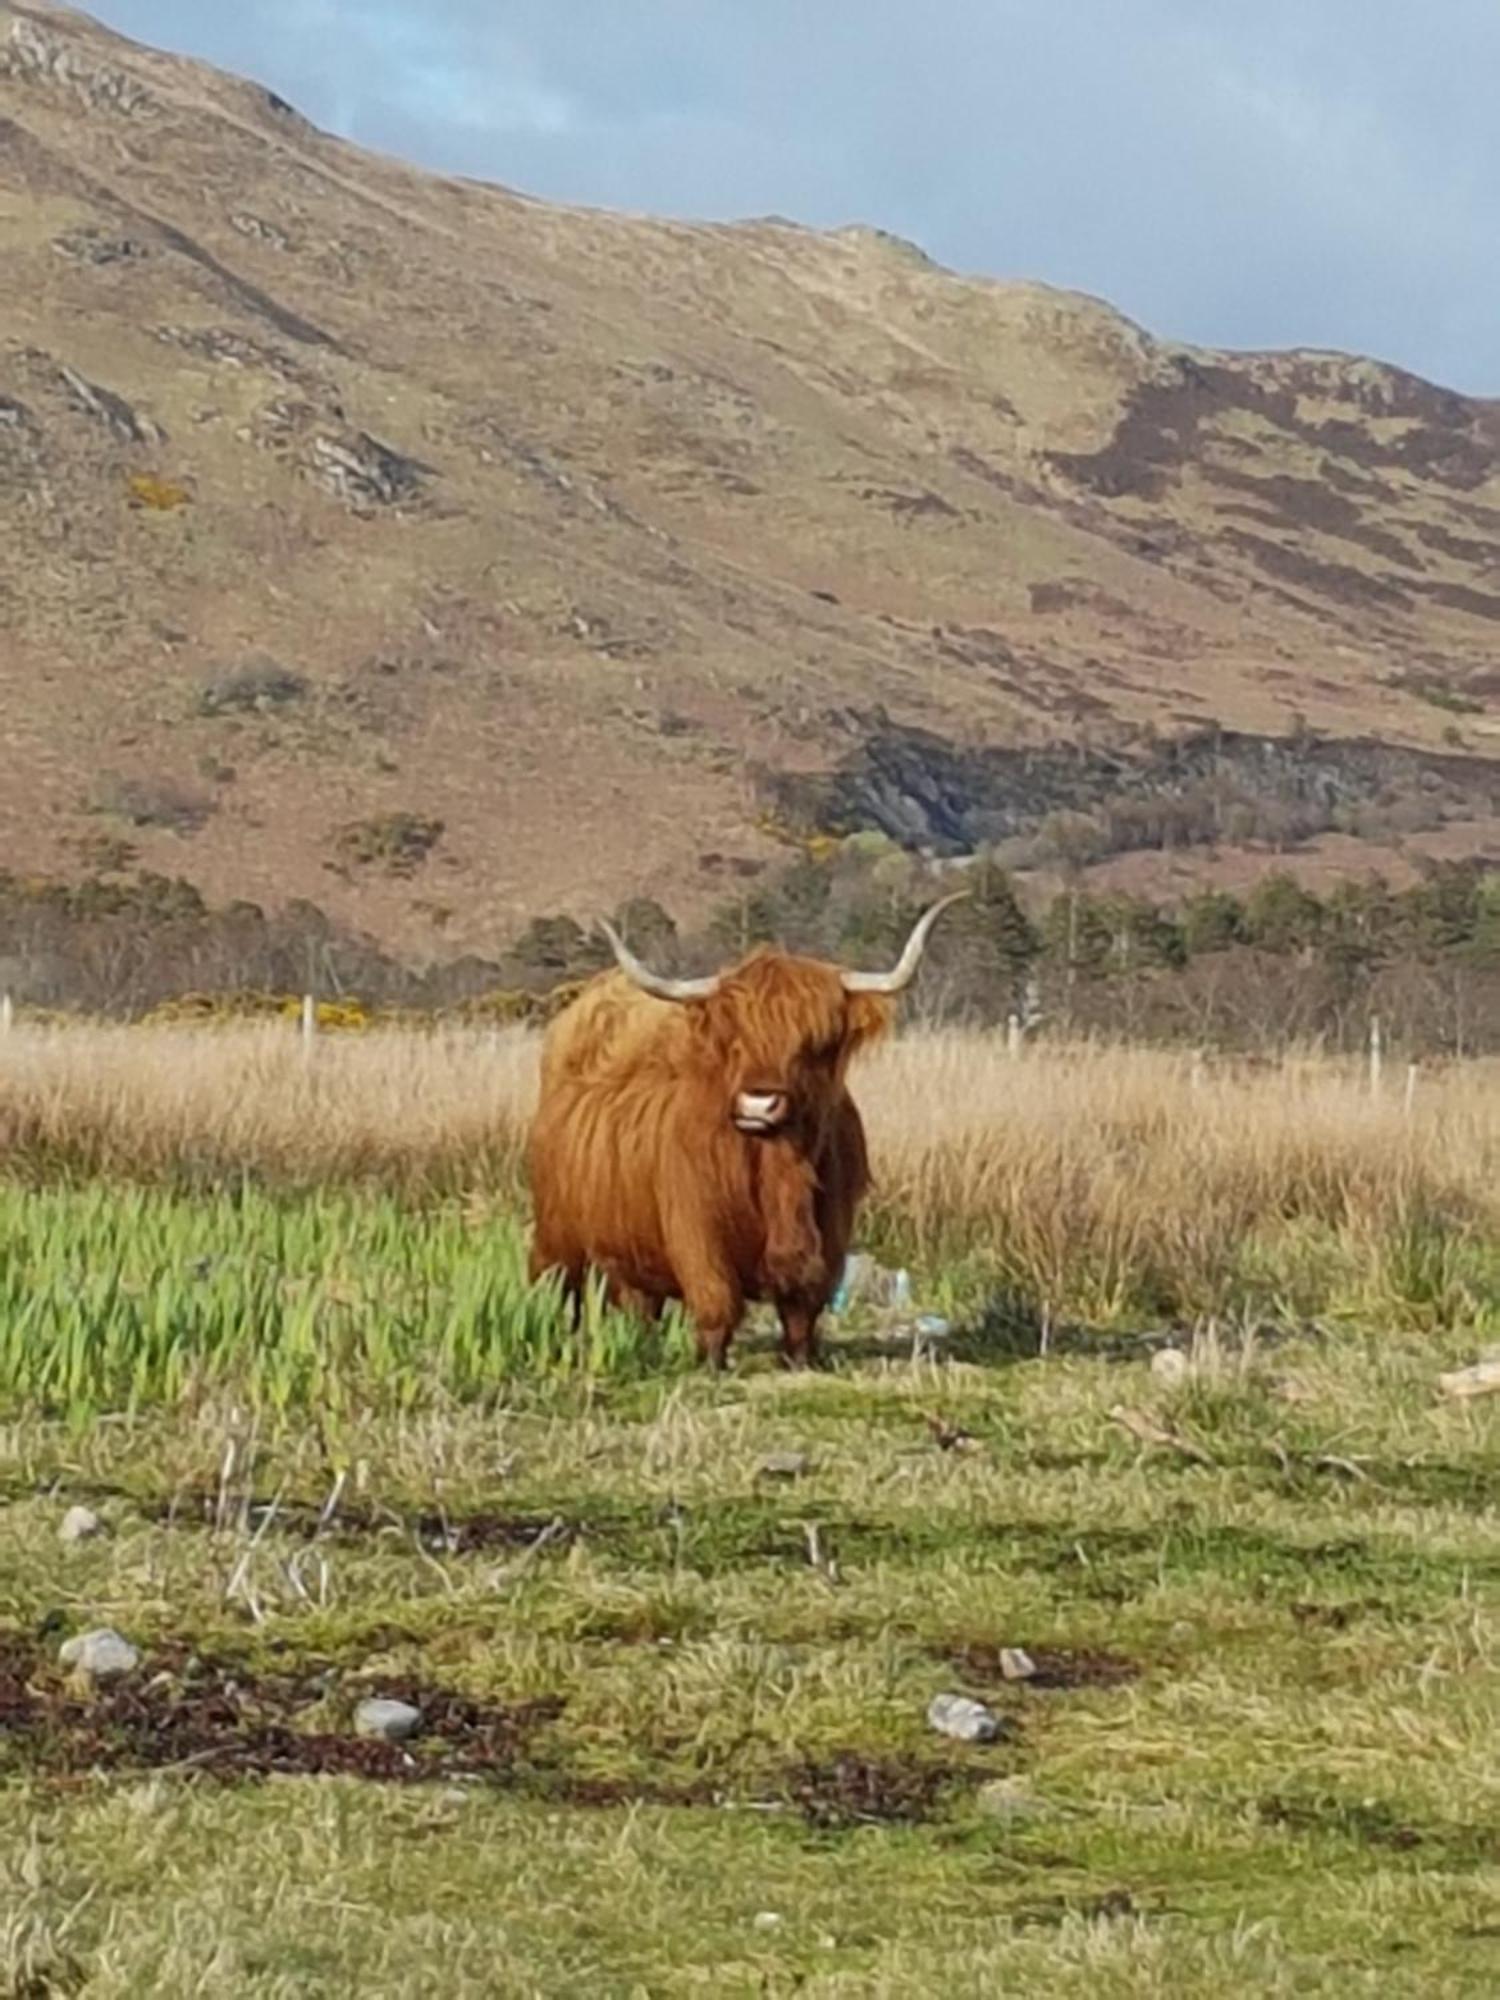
(867, 1015)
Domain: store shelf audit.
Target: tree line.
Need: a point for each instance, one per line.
(1257, 971)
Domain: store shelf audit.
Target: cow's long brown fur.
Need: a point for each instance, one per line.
(638, 1169)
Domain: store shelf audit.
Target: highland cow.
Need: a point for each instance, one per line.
(695, 1138)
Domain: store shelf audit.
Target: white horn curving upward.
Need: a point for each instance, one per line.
(905, 970)
(653, 982)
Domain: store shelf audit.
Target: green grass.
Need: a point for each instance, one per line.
(1266, 1762)
(118, 1298)
(340, 1446)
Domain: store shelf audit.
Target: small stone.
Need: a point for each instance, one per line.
(1016, 1664)
(79, 1524)
(766, 1920)
(784, 1465)
(1004, 1799)
(101, 1654)
(1483, 1379)
(394, 1720)
(959, 1716)
(1182, 1632)
(1169, 1364)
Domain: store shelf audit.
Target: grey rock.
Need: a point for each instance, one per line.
(364, 472)
(784, 1465)
(106, 407)
(959, 1716)
(1170, 1364)
(32, 53)
(394, 1720)
(260, 229)
(101, 1654)
(79, 1524)
(95, 246)
(1016, 1664)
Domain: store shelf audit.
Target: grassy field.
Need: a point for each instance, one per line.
(674, 1639)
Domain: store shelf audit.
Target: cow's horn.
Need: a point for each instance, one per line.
(905, 970)
(653, 982)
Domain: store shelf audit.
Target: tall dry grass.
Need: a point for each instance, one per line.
(1109, 1180)
(1091, 1179)
(411, 1110)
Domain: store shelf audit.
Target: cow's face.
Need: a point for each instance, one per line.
(777, 1035)
(773, 1037)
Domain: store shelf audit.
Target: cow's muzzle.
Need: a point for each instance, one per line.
(760, 1110)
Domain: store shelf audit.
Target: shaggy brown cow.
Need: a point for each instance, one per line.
(695, 1139)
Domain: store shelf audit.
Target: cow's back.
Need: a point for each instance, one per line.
(603, 1114)
(611, 1032)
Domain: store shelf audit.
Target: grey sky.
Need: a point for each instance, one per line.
(1238, 172)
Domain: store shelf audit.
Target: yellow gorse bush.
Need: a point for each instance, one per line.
(157, 495)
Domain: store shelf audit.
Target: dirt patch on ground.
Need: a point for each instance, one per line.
(1051, 1912)
(1376, 1825)
(216, 1719)
(1056, 1667)
(1379, 1824)
(852, 1789)
(443, 1534)
(181, 1712)
(1337, 1617)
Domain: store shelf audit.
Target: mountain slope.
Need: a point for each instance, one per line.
(339, 500)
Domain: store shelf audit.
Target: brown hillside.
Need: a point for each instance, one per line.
(339, 500)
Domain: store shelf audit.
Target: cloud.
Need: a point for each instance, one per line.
(1270, 175)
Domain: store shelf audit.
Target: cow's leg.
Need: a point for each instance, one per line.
(799, 1331)
(715, 1301)
(571, 1271)
(631, 1299)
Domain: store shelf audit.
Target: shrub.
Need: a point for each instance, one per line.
(396, 842)
(158, 801)
(251, 687)
(156, 495)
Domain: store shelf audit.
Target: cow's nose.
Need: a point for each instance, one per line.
(760, 1110)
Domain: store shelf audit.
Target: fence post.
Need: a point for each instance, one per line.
(1375, 1055)
(1195, 1074)
(309, 1022)
(7, 1013)
(1013, 1035)
(1411, 1087)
